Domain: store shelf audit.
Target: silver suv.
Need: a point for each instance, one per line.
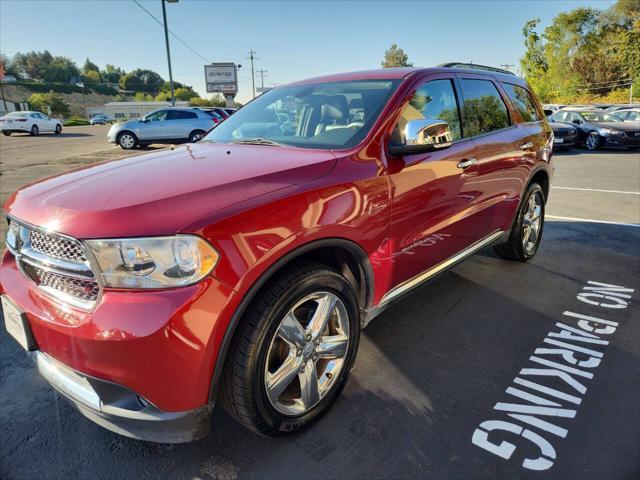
(168, 125)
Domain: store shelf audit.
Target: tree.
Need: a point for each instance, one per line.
(49, 102)
(185, 93)
(112, 74)
(395, 57)
(142, 81)
(89, 66)
(143, 97)
(61, 69)
(91, 77)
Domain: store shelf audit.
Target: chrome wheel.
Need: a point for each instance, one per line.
(127, 141)
(531, 223)
(307, 353)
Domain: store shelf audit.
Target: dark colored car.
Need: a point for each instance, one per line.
(597, 128)
(242, 268)
(564, 134)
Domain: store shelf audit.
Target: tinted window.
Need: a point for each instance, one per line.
(435, 100)
(181, 115)
(484, 108)
(523, 101)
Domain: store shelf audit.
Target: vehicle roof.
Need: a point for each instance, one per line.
(406, 72)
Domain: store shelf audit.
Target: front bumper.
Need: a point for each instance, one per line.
(121, 410)
(627, 140)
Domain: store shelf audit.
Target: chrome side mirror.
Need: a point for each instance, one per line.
(421, 136)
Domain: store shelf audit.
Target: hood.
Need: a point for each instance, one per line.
(623, 126)
(159, 193)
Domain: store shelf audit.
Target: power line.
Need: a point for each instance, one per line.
(172, 34)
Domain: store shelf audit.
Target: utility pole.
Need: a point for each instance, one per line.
(507, 66)
(262, 75)
(631, 93)
(253, 76)
(166, 39)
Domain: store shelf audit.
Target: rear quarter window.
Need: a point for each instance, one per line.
(523, 101)
(484, 109)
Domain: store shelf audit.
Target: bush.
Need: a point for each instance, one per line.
(66, 88)
(75, 121)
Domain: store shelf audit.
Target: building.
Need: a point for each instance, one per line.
(129, 110)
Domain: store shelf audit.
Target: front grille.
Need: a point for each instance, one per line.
(57, 247)
(56, 264)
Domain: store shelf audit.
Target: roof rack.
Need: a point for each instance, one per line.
(475, 66)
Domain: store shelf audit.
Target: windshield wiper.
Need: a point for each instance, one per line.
(257, 141)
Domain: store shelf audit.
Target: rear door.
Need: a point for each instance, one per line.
(502, 151)
(180, 123)
(433, 196)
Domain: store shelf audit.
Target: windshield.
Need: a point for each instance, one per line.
(599, 117)
(330, 115)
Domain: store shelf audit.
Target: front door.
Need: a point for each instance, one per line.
(154, 126)
(433, 196)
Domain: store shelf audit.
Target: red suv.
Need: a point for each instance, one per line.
(243, 267)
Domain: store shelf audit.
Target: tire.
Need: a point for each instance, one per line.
(592, 141)
(127, 140)
(34, 131)
(258, 352)
(6, 134)
(196, 135)
(516, 248)
(58, 129)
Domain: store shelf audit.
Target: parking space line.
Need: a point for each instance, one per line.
(596, 190)
(590, 220)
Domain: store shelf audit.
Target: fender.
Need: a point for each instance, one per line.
(355, 249)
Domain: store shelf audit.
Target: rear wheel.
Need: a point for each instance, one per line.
(293, 351)
(6, 134)
(127, 140)
(526, 232)
(196, 135)
(593, 141)
(35, 130)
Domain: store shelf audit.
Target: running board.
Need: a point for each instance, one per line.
(428, 274)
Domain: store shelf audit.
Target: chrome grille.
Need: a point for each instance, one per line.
(57, 247)
(57, 264)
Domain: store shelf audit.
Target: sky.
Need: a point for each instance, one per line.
(292, 39)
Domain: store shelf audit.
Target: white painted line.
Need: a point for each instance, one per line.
(596, 190)
(590, 220)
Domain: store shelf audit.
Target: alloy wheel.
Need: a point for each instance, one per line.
(127, 141)
(307, 353)
(592, 142)
(531, 223)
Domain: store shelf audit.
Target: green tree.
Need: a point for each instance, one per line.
(142, 81)
(185, 93)
(89, 66)
(49, 102)
(395, 57)
(143, 97)
(91, 77)
(111, 73)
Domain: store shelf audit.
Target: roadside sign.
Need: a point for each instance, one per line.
(221, 77)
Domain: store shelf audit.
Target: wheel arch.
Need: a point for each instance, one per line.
(344, 255)
(540, 176)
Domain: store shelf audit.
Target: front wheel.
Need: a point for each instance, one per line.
(58, 129)
(593, 141)
(196, 135)
(6, 134)
(34, 130)
(127, 140)
(293, 351)
(526, 232)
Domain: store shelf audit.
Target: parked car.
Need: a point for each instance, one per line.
(167, 125)
(242, 268)
(554, 107)
(623, 106)
(221, 111)
(29, 122)
(101, 119)
(628, 115)
(564, 134)
(217, 118)
(230, 111)
(597, 128)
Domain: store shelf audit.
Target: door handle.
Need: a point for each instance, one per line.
(526, 146)
(467, 163)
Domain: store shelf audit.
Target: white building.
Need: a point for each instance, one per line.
(128, 110)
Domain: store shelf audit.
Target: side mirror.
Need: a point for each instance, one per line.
(548, 113)
(421, 136)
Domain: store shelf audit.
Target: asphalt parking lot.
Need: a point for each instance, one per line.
(437, 375)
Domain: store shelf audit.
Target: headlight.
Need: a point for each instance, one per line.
(609, 131)
(154, 262)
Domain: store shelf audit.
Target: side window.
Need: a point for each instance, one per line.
(433, 100)
(181, 115)
(484, 109)
(523, 101)
(157, 116)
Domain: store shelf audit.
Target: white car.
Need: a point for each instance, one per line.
(628, 114)
(29, 122)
